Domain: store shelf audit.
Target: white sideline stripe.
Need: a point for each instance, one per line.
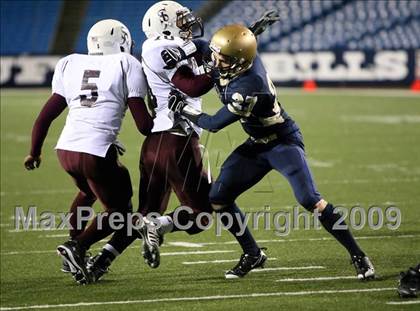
(219, 297)
(234, 242)
(185, 244)
(322, 278)
(213, 261)
(410, 302)
(288, 268)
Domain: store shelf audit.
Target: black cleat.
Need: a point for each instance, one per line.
(67, 268)
(409, 283)
(151, 242)
(364, 268)
(246, 263)
(97, 266)
(74, 255)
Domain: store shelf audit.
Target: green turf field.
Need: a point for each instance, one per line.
(364, 149)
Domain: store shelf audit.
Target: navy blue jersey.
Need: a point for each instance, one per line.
(252, 96)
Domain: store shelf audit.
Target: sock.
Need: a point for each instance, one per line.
(166, 224)
(328, 219)
(81, 199)
(93, 234)
(246, 240)
(107, 256)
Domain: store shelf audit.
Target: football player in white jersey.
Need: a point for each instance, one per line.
(170, 156)
(97, 89)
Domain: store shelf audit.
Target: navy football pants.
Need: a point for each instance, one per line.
(250, 162)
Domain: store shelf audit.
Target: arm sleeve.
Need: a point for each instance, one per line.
(141, 116)
(51, 110)
(193, 85)
(220, 120)
(135, 80)
(57, 80)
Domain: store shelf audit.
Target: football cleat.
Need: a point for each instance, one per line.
(74, 255)
(246, 263)
(364, 267)
(97, 266)
(409, 283)
(67, 268)
(151, 242)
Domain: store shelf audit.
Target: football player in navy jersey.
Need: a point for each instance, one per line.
(275, 142)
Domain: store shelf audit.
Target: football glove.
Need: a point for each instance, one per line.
(173, 55)
(177, 104)
(31, 162)
(269, 18)
(176, 101)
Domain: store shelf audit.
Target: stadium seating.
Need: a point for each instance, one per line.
(329, 24)
(28, 26)
(305, 25)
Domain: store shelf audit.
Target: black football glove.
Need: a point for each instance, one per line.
(176, 101)
(171, 56)
(269, 18)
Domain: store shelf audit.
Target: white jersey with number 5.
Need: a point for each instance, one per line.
(96, 89)
(159, 80)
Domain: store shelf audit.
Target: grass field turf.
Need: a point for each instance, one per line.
(364, 149)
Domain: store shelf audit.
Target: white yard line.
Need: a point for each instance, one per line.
(99, 248)
(202, 262)
(199, 298)
(288, 268)
(185, 244)
(407, 302)
(322, 278)
(196, 252)
(320, 239)
(378, 237)
(314, 162)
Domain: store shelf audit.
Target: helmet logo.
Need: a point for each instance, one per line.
(163, 16)
(124, 36)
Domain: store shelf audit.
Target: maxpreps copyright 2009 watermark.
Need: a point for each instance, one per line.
(281, 222)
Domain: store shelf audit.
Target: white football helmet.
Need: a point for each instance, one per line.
(169, 18)
(109, 36)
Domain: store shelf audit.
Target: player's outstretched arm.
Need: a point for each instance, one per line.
(141, 116)
(51, 110)
(193, 85)
(213, 123)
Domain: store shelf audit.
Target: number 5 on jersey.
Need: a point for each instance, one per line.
(84, 100)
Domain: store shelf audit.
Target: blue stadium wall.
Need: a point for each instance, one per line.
(333, 42)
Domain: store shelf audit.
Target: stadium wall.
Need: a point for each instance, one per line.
(329, 68)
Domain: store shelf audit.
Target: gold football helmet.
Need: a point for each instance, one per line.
(234, 48)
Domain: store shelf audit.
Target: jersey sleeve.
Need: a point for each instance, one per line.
(151, 57)
(136, 81)
(243, 97)
(57, 81)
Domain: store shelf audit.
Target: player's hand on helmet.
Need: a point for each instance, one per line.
(269, 18)
(31, 162)
(176, 101)
(171, 56)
